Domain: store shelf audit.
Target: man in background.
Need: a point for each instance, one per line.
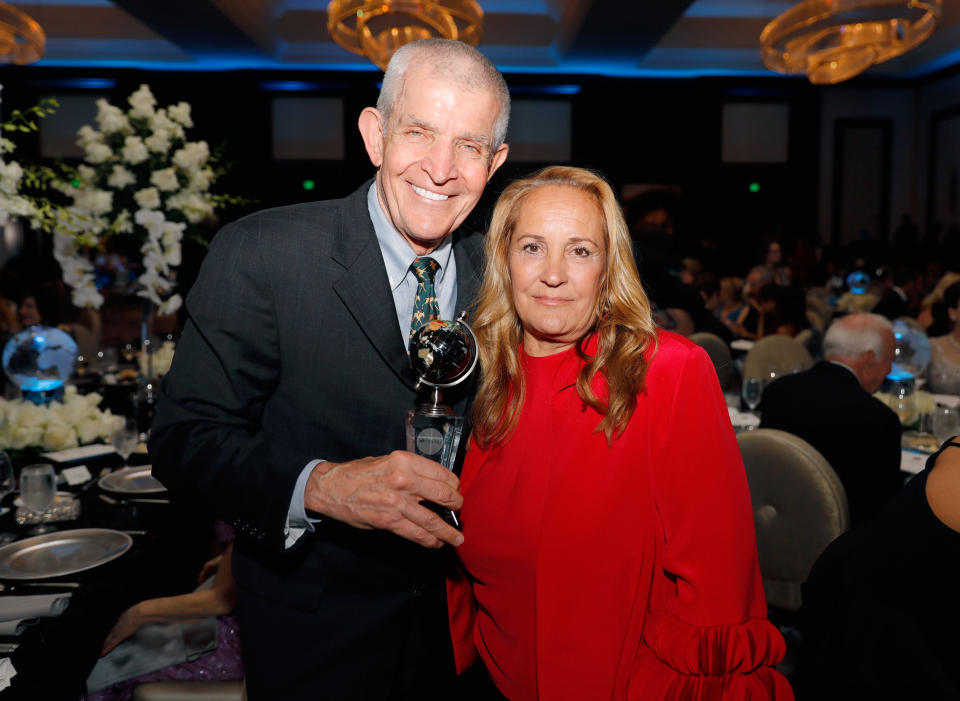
(830, 406)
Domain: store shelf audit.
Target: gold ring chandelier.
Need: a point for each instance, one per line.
(377, 28)
(22, 39)
(833, 40)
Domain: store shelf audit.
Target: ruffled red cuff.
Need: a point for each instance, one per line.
(681, 661)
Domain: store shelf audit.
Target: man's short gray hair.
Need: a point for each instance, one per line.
(853, 335)
(450, 60)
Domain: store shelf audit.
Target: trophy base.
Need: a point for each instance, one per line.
(436, 437)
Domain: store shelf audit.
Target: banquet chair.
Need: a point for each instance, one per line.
(719, 353)
(799, 508)
(779, 355)
(190, 691)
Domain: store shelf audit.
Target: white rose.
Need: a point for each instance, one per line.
(200, 180)
(142, 102)
(134, 150)
(88, 135)
(89, 429)
(148, 198)
(86, 173)
(94, 201)
(120, 177)
(59, 435)
(149, 219)
(97, 152)
(110, 118)
(181, 113)
(25, 436)
(87, 297)
(159, 141)
(195, 207)
(165, 179)
(192, 156)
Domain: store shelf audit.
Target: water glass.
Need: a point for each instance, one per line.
(125, 437)
(946, 423)
(752, 392)
(38, 488)
(7, 479)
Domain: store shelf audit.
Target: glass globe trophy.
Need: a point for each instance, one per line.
(39, 360)
(442, 354)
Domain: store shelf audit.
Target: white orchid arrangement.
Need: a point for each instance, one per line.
(76, 420)
(13, 203)
(141, 178)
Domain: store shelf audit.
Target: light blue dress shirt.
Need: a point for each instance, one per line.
(397, 257)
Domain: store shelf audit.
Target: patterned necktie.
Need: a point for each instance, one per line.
(426, 307)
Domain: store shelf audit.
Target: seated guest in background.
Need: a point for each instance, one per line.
(731, 299)
(772, 259)
(757, 318)
(217, 599)
(933, 315)
(585, 408)
(880, 608)
(943, 373)
(830, 406)
(898, 298)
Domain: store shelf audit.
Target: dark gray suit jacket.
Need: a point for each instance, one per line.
(293, 352)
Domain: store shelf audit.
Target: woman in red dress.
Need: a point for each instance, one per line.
(609, 545)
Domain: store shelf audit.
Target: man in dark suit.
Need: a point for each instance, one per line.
(830, 406)
(284, 408)
(906, 284)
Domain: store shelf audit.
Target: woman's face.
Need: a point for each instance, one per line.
(29, 312)
(557, 258)
(774, 254)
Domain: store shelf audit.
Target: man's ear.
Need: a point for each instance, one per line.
(371, 131)
(499, 156)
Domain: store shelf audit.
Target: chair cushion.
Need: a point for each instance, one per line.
(189, 691)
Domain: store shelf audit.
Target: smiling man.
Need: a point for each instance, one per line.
(284, 409)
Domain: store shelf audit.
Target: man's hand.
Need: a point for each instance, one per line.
(385, 493)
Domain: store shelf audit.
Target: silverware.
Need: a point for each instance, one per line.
(20, 586)
(111, 500)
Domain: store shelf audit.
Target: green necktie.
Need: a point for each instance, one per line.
(426, 307)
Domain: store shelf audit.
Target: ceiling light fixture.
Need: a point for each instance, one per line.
(22, 39)
(834, 40)
(377, 28)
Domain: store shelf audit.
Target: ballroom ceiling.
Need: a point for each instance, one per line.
(643, 38)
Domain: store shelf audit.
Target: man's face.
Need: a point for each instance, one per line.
(434, 157)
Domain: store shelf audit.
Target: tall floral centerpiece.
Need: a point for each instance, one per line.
(13, 203)
(140, 178)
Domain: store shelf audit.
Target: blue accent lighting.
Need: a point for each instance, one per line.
(545, 90)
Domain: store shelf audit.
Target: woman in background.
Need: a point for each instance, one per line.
(944, 371)
(609, 545)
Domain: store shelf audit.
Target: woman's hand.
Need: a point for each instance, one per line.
(128, 624)
(209, 568)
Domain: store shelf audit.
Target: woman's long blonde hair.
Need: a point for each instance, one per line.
(623, 323)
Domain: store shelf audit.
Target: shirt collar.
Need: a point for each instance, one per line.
(397, 253)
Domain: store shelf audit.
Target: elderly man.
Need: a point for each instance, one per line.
(284, 409)
(830, 406)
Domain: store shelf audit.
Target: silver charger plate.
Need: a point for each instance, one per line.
(60, 553)
(132, 480)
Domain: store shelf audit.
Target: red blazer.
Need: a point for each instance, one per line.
(648, 585)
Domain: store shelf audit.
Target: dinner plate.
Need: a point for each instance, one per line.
(61, 553)
(132, 480)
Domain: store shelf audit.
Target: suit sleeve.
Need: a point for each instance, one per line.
(207, 444)
(706, 634)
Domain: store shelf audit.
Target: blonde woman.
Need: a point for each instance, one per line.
(609, 547)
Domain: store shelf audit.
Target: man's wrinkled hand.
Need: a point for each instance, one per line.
(384, 493)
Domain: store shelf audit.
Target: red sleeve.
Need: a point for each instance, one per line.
(706, 635)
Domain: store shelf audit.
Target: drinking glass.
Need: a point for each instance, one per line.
(38, 488)
(946, 423)
(7, 480)
(125, 437)
(752, 391)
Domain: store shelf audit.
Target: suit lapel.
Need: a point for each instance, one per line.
(468, 253)
(364, 287)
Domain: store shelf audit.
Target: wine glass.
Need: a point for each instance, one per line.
(752, 391)
(125, 437)
(38, 488)
(945, 423)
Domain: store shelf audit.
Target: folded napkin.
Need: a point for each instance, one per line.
(949, 400)
(743, 419)
(16, 627)
(14, 608)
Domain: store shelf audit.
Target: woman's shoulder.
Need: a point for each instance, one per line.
(671, 352)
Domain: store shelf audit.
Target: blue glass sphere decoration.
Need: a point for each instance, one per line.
(858, 282)
(912, 353)
(39, 360)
